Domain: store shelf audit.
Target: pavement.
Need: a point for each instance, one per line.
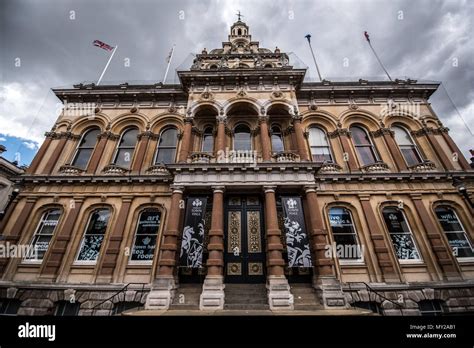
(263, 312)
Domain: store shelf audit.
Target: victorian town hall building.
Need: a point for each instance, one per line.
(243, 187)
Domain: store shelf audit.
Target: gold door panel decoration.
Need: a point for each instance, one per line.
(234, 268)
(234, 232)
(255, 268)
(254, 241)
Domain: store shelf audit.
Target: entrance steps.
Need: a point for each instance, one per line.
(305, 297)
(187, 297)
(246, 297)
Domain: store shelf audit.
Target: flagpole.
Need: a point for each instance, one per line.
(376, 56)
(308, 37)
(107, 65)
(169, 63)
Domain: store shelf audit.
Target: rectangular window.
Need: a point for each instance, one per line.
(454, 231)
(44, 233)
(400, 234)
(94, 236)
(145, 236)
(344, 233)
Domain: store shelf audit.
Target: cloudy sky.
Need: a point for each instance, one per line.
(48, 43)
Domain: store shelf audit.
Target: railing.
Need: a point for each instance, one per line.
(200, 157)
(425, 166)
(377, 167)
(114, 169)
(68, 169)
(370, 290)
(141, 290)
(286, 156)
(330, 167)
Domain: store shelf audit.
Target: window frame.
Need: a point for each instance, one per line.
(63, 306)
(84, 234)
(467, 259)
(78, 147)
(420, 260)
(40, 224)
(204, 134)
(329, 148)
(371, 145)
(119, 147)
(6, 303)
(134, 239)
(158, 147)
(343, 262)
(413, 145)
(435, 312)
(280, 134)
(250, 137)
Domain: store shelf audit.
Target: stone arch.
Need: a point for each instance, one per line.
(126, 120)
(269, 104)
(323, 119)
(100, 120)
(169, 120)
(409, 123)
(194, 108)
(363, 117)
(253, 103)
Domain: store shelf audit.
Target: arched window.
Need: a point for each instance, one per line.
(207, 140)
(239, 32)
(242, 138)
(400, 233)
(43, 234)
(145, 235)
(318, 142)
(94, 235)
(167, 144)
(455, 232)
(126, 146)
(364, 146)
(277, 140)
(407, 146)
(85, 147)
(344, 233)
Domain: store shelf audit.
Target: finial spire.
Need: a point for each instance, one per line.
(239, 15)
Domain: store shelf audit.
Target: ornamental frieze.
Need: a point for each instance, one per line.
(339, 132)
(381, 131)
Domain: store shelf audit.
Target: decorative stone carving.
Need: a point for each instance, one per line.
(277, 95)
(381, 131)
(426, 166)
(286, 156)
(159, 169)
(68, 169)
(377, 167)
(330, 167)
(200, 157)
(113, 169)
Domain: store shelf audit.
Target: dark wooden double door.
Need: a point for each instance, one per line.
(244, 253)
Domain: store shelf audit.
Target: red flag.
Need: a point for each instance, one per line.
(367, 36)
(103, 45)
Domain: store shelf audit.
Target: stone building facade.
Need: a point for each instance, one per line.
(8, 170)
(243, 142)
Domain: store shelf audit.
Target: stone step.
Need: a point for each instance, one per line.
(232, 306)
(191, 293)
(245, 296)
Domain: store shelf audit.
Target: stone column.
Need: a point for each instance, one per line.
(300, 139)
(220, 141)
(54, 257)
(278, 289)
(443, 253)
(383, 250)
(454, 148)
(265, 138)
(16, 229)
(109, 261)
(388, 137)
(343, 134)
(41, 152)
(325, 279)
(429, 134)
(212, 296)
(186, 142)
(165, 284)
(53, 160)
(143, 140)
(99, 150)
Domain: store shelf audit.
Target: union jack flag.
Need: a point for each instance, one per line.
(103, 45)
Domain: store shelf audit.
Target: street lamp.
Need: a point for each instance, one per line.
(459, 185)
